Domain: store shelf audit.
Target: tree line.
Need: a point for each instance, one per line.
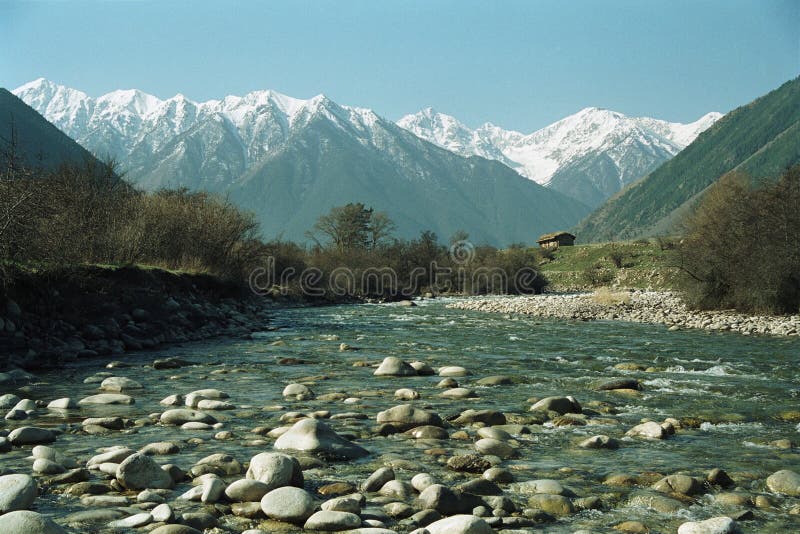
(89, 214)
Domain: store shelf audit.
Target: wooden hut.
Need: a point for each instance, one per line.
(556, 239)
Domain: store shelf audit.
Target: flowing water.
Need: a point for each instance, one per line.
(734, 387)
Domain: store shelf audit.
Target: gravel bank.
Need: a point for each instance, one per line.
(656, 307)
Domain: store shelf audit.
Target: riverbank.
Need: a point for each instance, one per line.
(654, 307)
(50, 318)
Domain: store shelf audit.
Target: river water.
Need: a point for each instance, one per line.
(732, 391)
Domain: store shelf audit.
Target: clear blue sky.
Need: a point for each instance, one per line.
(519, 64)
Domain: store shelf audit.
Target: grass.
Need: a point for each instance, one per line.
(642, 264)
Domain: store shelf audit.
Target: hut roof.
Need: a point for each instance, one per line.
(553, 235)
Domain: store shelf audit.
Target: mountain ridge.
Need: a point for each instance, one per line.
(589, 155)
(291, 160)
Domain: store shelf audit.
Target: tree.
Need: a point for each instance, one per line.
(353, 227)
(742, 246)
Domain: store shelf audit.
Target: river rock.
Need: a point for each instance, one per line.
(659, 503)
(458, 393)
(715, 525)
(43, 466)
(377, 479)
(275, 470)
(453, 370)
(422, 368)
(556, 505)
(17, 492)
(218, 463)
(246, 490)
(442, 499)
(213, 489)
(160, 448)
(469, 463)
(138, 472)
(8, 400)
(64, 403)
(495, 381)
(406, 394)
(393, 366)
(649, 430)
(312, 435)
(683, 484)
(619, 383)
(784, 481)
(487, 417)
(134, 521)
(162, 513)
(113, 455)
(561, 405)
(115, 384)
(107, 398)
(26, 522)
(460, 524)
(298, 392)
(406, 416)
(181, 416)
(599, 442)
(290, 504)
(175, 529)
(349, 503)
(428, 432)
(31, 435)
(328, 520)
(495, 447)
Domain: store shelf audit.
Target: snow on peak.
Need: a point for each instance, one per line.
(132, 120)
(132, 100)
(540, 154)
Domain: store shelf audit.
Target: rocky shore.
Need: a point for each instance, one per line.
(93, 311)
(655, 307)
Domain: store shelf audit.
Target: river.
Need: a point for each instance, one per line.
(733, 393)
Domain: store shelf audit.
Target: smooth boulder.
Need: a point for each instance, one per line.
(275, 470)
(289, 504)
(139, 471)
(784, 481)
(460, 524)
(17, 492)
(312, 435)
(393, 366)
(27, 522)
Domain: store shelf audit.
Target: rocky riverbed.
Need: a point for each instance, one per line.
(655, 307)
(388, 418)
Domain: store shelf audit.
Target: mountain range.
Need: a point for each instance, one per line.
(291, 160)
(589, 156)
(760, 139)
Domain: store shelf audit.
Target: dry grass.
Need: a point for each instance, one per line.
(608, 297)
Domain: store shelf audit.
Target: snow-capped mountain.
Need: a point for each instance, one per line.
(291, 160)
(590, 155)
(133, 127)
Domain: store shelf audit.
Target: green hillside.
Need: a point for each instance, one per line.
(761, 138)
(38, 143)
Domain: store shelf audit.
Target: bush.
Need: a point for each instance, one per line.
(742, 246)
(597, 275)
(90, 215)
